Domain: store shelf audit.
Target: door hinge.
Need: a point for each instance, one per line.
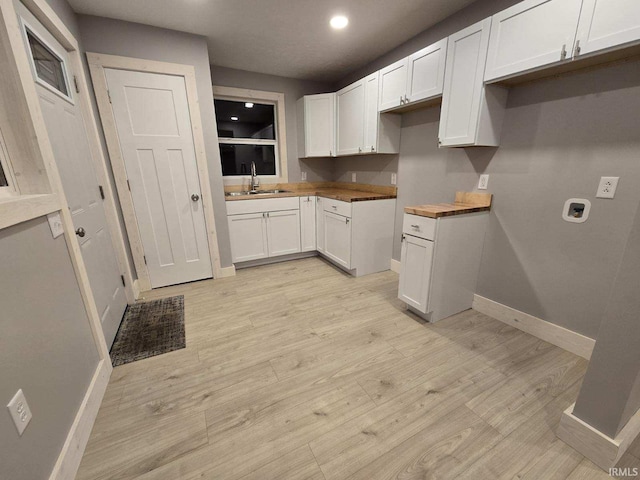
(145, 259)
(75, 82)
(128, 185)
(122, 278)
(109, 95)
(101, 191)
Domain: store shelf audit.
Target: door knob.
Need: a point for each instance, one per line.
(80, 232)
(195, 197)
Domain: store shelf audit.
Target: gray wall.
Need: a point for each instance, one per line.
(115, 37)
(317, 169)
(46, 347)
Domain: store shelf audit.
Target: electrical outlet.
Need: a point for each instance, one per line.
(20, 411)
(607, 187)
(483, 183)
(303, 176)
(394, 178)
(55, 223)
(353, 177)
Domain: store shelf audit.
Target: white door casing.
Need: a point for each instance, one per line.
(151, 113)
(70, 144)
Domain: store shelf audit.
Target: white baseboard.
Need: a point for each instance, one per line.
(227, 271)
(602, 450)
(395, 265)
(547, 331)
(70, 456)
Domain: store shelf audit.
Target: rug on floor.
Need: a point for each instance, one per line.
(149, 329)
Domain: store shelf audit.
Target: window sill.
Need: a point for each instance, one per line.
(22, 208)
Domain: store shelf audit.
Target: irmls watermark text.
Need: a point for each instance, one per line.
(624, 472)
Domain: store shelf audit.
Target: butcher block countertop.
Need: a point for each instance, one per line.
(465, 202)
(346, 192)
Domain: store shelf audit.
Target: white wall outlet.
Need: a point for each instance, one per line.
(303, 176)
(483, 183)
(394, 178)
(607, 187)
(20, 411)
(353, 177)
(55, 223)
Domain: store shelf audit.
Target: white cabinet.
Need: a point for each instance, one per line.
(350, 118)
(337, 238)
(530, 35)
(308, 223)
(263, 228)
(440, 263)
(316, 125)
(372, 129)
(606, 24)
(320, 224)
(472, 113)
(417, 78)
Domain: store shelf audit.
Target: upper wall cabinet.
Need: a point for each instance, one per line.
(472, 113)
(606, 24)
(316, 125)
(531, 34)
(414, 79)
(359, 126)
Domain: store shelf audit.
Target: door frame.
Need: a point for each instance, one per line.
(97, 64)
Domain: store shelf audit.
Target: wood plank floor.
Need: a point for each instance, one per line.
(298, 371)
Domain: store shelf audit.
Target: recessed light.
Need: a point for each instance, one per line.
(339, 22)
(248, 105)
(235, 119)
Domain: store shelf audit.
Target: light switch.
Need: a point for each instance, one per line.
(55, 223)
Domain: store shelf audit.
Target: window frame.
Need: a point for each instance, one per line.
(5, 162)
(280, 149)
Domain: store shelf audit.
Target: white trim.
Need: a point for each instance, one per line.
(10, 190)
(601, 449)
(228, 271)
(260, 96)
(97, 64)
(136, 289)
(561, 337)
(395, 266)
(70, 456)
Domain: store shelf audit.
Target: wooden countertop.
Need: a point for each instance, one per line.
(336, 191)
(465, 202)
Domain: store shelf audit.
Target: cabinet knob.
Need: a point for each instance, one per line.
(563, 52)
(576, 50)
(406, 99)
(415, 227)
(347, 220)
(401, 100)
(359, 149)
(373, 149)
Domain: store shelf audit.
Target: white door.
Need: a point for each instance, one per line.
(319, 125)
(371, 114)
(156, 140)
(319, 224)
(66, 130)
(350, 119)
(415, 272)
(308, 223)
(608, 23)
(393, 85)
(337, 238)
(531, 34)
(283, 232)
(425, 77)
(248, 235)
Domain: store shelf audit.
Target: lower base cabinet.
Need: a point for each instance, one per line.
(337, 238)
(248, 234)
(415, 276)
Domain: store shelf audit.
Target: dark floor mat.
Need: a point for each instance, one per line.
(149, 329)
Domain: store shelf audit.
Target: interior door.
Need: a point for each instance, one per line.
(415, 272)
(283, 232)
(68, 137)
(337, 238)
(608, 23)
(156, 140)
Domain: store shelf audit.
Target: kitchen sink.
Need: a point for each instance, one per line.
(255, 192)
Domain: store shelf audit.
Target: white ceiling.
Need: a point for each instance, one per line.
(290, 38)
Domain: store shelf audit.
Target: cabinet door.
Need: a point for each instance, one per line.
(319, 224)
(415, 273)
(371, 114)
(425, 77)
(283, 232)
(337, 238)
(393, 85)
(248, 237)
(308, 223)
(607, 24)
(531, 34)
(350, 119)
(319, 125)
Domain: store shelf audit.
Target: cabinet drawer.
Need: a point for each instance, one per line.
(336, 206)
(423, 227)
(259, 205)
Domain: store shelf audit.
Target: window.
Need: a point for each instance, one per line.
(250, 130)
(48, 67)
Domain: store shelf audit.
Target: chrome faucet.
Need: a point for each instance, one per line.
(255, 182)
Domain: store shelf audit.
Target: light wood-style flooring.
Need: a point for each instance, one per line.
(298, 371)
